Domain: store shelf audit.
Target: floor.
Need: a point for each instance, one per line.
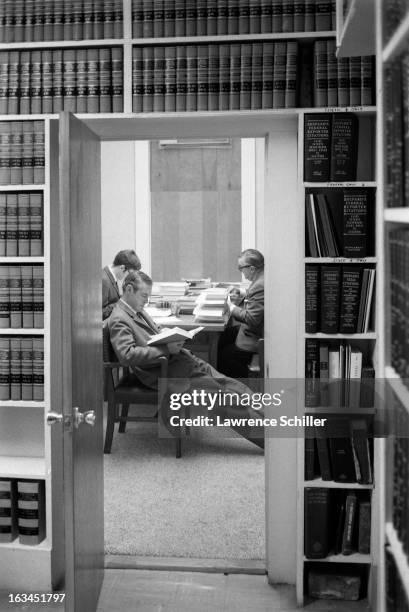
(170, 591)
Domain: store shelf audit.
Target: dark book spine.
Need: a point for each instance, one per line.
(288, 15)
(323, 454)
(4, 77)
(309, 19)
(38, 26)
(245, 76)
(35, 83)
(36, 224)
(355, 225)
(349, 527)
(280, 62)
(28, 153)
(235, 76)
(159, 79)
(244, 17)
(48, 20)
(159, 19)
(317, 143)
(268, 74)
(367, 84)
(322, 15)
(201, 17)
(77, 20)
(170, 79)
(92, 81)
(211, 25)
(88, 27)
(299, 15)
(82, 81)
(70, 78)
(316, 519)
(15, 368)
(5, 137)
(233, 19)
(137, 80)
(29, 20)
(320, 73)
(58, 25)
(355, 81)
(13, 83)
(148, 18)
(117, 77)
(11, 225)
(38, 369)
(16, 321)
(16, 153)
(169, 25)
(4, 297)
(38, 297)
(47, 81)
(343, 81)
(148, 82)
(311, 298)
(350, 292)
(181, 78)
(98, 10)
(332, 74)
(256, 75)
(180, 18)
(23, 223)
(105, 86)
(360, 446)
(342, 459)
(344, 147)
(254, 16)
(277, 15)
(68, 19)
(202, 77)
(309, 458)
(58, 80)
(213, 98)
(222, 17)
(330, 298)
(312, 359)
(4, 368)
(27, 296)
(3, 219)
(364, 529)
(290, 100)
(265, 16)
(119, 19)
(224, 77)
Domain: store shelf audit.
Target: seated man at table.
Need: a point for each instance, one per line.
(112, 277)
(238, 342)
(130, 328)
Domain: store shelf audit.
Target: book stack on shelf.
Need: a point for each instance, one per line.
(158, 18)
(339, 274)
(51, 80)
(22, 511)
(21, 224)
(29, 20)
(21, 297)
(22, 153)
(22, 368)
(258, 75)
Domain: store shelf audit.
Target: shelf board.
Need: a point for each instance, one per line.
(231, 38)
(395, 382)
(21, 332)
(21, 404)
(400, 557)
(59, 44)
(34, 187)
(396, 215)
(22, 259)
(398, 41)
(340, 260)
(354, 558)
(15, 545)
(341, 185)
(22, 467)
(358, 32)
(366, 336)
(330, 484)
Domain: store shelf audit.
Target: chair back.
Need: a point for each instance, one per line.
(108, 352)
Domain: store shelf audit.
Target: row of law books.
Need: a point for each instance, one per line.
(22, 152)
(22, 368)
(167, 18)
(337, 522)
(51, 80)
(341, 451)
(331, 147)
(214, 77)
(343, 81)
(32, 20)
(22, 511)
(21, 297)
(336, 376)
(211, 305)
(338, 298)
(21, 224)
(396, 88)
(400, 474)
(399, 301)
(339, 223)
(396, 595)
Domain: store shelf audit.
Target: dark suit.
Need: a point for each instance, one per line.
(238, 343)
(129, 333)
(110, 292)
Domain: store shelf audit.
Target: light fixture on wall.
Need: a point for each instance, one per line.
(196, 143)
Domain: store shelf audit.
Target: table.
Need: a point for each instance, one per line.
(205, 343)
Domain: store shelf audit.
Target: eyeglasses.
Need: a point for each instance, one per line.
(243, 267)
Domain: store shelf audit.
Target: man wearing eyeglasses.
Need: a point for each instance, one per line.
(239, 341)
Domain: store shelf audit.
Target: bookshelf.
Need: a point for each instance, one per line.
(368, 342)
(42, 452)
(392, 30)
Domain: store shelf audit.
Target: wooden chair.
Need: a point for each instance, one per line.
(122, 389)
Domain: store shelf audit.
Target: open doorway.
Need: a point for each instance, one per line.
(187, 211)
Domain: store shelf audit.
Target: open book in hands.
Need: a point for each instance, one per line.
(173, 334)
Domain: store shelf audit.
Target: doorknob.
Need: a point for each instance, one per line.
(88, 417)
(54, 417)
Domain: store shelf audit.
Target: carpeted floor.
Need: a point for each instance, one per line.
(208, 504)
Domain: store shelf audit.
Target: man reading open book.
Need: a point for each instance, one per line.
(130, 331)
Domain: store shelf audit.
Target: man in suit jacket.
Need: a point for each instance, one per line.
(112, 277)
(130, 328)
(239, 342)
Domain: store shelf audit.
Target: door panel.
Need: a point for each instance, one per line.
(80, 240)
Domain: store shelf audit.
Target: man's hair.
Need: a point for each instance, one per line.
(136, 279)
(253, 258)
(127, 258)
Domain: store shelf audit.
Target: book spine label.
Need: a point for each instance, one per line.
(224, 77)
(35, 83)
(268, 72)
(16, 321)
(38, 297)
(350, 292)
(28, 153)
(69, 87)
(13, 83)
(317, 141)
